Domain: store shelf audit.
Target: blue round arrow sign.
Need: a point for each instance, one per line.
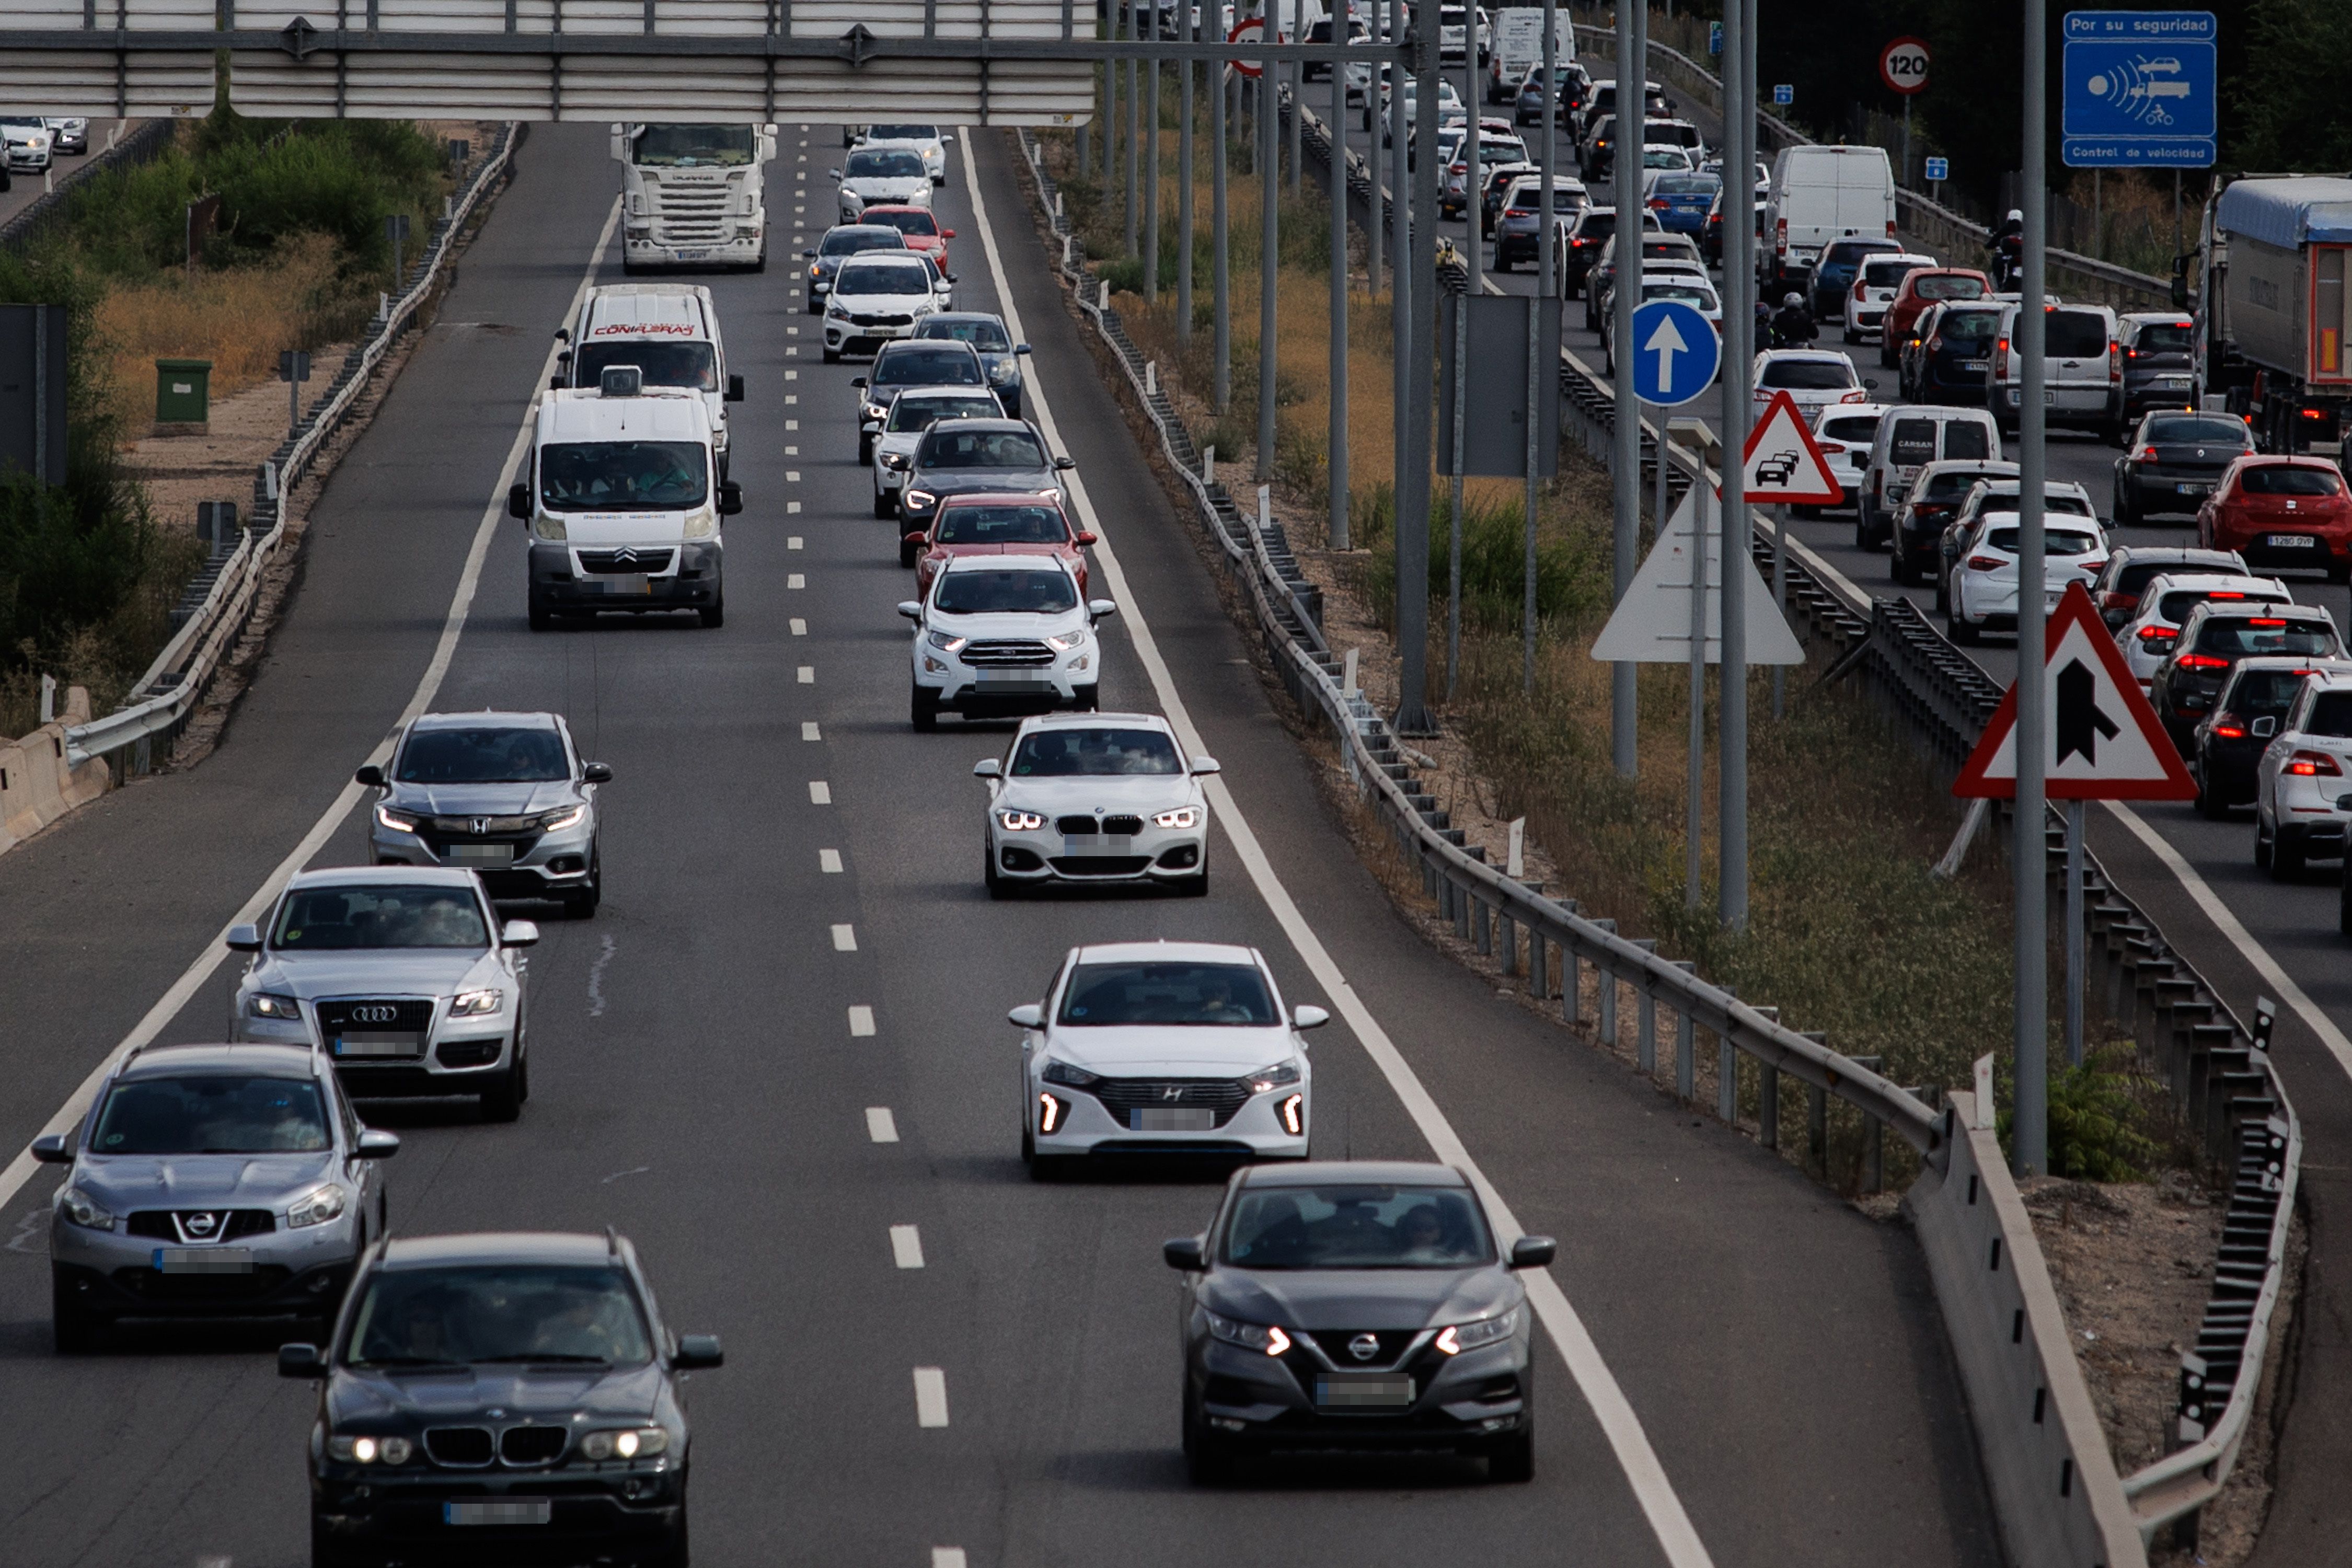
(1675, 353)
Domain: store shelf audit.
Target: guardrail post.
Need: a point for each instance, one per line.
(1608, 1004)
(1507, 935)
(1539, 982)
(1768, 1105)
(1686, 1045)
(1817, 1127)
(1645, 1020)
(1482, 926)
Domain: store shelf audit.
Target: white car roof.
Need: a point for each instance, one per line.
(379, 876)
(1850, 410)
(2224, 582)
(1002, 563)
(1096, 720)
(646, 311)
(659, 414)
(1776, 356)
(1168, 952)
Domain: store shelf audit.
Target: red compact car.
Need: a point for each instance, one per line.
(982, 524)
(920, 227)
(2279, 512)
(1925, 287)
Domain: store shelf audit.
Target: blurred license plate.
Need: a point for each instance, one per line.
(377, 1045)
(2184, 490)
(1013, 679)
(487, 853)
(697, 256)
(203, 1259)
(634, 582)
(508, 1510)
(1363, 1393)
(2291, 541)
(1153, 1118)
(1965, 365)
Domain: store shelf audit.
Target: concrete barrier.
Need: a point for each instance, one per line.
(38, 784)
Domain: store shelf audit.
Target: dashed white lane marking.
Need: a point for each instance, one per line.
(820, 793)
(215, 1560)
(881, 1125)
(1645, 1474)
(931, 1396)
(792, 451)
(829, 862)
(791, 476)
(796, 580)
(792, 424)
(845, 939)
(791, 375)
(793, 509)
(791, 348)
(596, 980)
(947, 1557)
(907, 1248)
(807, 676)
(791, 332)
(792, 398)
(800, 626)
(861, 1021)
(792, 541)
(809, 732)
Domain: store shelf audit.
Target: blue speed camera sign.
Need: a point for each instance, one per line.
(2139, 90)
(1939, 169)
(1784, 93)
(1677, 352)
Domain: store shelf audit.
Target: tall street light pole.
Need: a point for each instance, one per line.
(2028, 1138)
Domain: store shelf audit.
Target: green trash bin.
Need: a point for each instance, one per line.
(183, 393)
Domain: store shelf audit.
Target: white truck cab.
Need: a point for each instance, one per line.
(694, 195)
(668, 330)
(622, 497)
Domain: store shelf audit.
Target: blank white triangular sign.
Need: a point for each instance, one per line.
(1651, 625)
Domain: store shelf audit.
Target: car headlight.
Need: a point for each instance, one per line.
(1005, 374)
(395, 821)
(1264, 1337)
(76, 1206)
(632, 1443)
(1456, 1338)
(946, 643)
(545, 527)
(476, 1004)
(266, 1005)
(569, 817)
(920, 498)
(700, 524)
(894, 461)
(876, 412)
(1021, 822)
(316, 1206)
(1182, 816)
(364, 1450)
(1065, 641)
(835, 313)
(1275, 1077)
(1069, 1073)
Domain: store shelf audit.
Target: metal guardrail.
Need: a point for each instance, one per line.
(143, 145)
(164, 697)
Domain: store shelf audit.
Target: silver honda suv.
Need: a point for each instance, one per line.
(210, 1181)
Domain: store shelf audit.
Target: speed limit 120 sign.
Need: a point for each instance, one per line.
(1252, 28)
(1903, 65)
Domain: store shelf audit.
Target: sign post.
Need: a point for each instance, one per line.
(1902, 67)
(2139, 90)
(1937, 171)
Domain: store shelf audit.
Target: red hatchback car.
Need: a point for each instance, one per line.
(2279, 511)
(920, 227)
(983, 525)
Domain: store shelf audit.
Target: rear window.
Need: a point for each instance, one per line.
(2331, 714)
(2167, 339)
(1965, 438)
(1951, 486)
(2241, 634)
(1854, 427)
(1886, 274)
(1807, 375)
(1597, 223)
(1913, 443)
(1967, 326)
(2279, 479)
(2174, 606)
(1684, 185)
(1949, 288)
(1848, 252)
(2198, 427)
(2057, 542)
(2075, 334)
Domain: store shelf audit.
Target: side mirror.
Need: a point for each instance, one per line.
(563, 334)
(811, 255)
(731, 498)
(369, 775)
(1203, 766)
(519, 501)
(835, 173)
(697, 1353)
(988, 768)
(1186, 1253)
(299, 1361)
(1534, 1252)
(1307, 1015)
(1870, 382)
(1098, 608)
(556, 383)
(918, 539)
(1028, 1015)
(951, 277)
(734, 389)
(595, 773)
(912, 608)
(51, 1149)
(518, 933)
(2264, 728)
(244, 939)
(949, 233)
(859, 382)
(1021, 348)
(376, 1144)
(1084, 538)
(1066, 464)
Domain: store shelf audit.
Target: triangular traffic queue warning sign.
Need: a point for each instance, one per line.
(1652, 624)
(2106, 743)
(1781, 462)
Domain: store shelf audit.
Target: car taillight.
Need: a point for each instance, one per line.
(2209, 595)
(2202, 661)
(2157, 634)
(2313, 765)
(2258, 621)
(1986, 562)
(2229, 731)
(2144, 455)
(1780, 243)
(1857, 395)
(1658, 205)
(1890, 229)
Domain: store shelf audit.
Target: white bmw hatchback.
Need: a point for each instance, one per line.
(1164, 1047)
(1095, 797)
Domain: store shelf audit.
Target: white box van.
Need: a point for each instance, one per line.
(622, 497)
(1819, 194)
(1519, 48)
(2082, 367)
(1909, 438)
(668, 330)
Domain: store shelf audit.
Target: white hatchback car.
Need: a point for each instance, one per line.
(1164, 1047)
(876, 298)
(1095, 797)
(924, 140)
(1814, 379)
(2302, 780)
(882, 176)
(1003, 635)
(1845, 432)
(912, 414)
(1984, 588)
(2165, 603)
(1875, 285)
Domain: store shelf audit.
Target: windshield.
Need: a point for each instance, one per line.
(498, 1313)
(1949, 288)
(2279, 479)
(884, 164)
(1001, 525)
(982, 449)
(1096, 753)
(379, 915)
(982, 333)
(1357, 1227)
(1886, 274)
(2055, 541)
(867, 278)
(2267, 633)
(850, 241)
(1019, 590)
(622, 475)
(696, 146)
(2196, 427)
(1225, 994)
(2074, 334)
(950, 364)
(912, 221)
(902, 133)
(1971, 326)
(212, 1114)
(664, 365)
(2171, 337)
(916, 412)
(483, 756)
(1808, 374)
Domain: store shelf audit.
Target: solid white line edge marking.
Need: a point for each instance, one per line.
(429, 684)
(1643, 1472)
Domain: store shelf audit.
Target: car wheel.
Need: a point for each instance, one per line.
(675, 1552)
(581, 904)
(1862, 529)
(1085, 699)
(2210, 803)
(2339, 575)
(865, 452)
(2261, 844)
(502, 1100)
(715, 616)
(1943, 597)
(2286, 856)
(1206, 1456)
(1885, 355)
(1957, 626)
(76, 1331)
(923, 708)
(998, 887)
(1193, 887)
(1899, 566)
(543, 617)
(1512, 1459)
(2344, 905)
(884, 505)
(905, 555)
(832, 356)
(326, 1551)
(1028, 1145)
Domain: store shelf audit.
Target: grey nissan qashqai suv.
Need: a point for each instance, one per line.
(1356, 1305)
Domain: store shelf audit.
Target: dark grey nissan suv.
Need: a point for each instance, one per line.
(1356, 1305)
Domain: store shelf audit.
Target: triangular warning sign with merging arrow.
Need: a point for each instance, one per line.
(1652, 624)
(2106, 743)
(1782, 462)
